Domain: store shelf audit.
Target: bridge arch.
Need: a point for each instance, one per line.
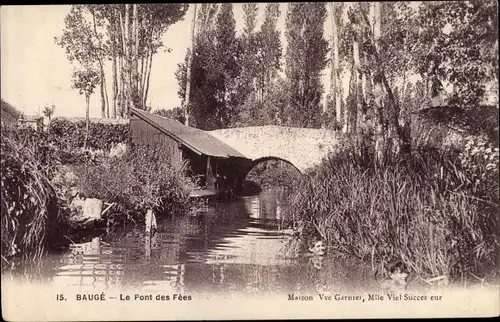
(269, 158)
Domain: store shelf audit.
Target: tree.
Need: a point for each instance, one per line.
(335, 83)
(202, 95)
(129, 36)
(83, 43)
(249, 86)
(260, 65)
(390, 145)
(305, 59)
(215, 70)
(358, 87)
(228, 53)
(269, 49)
(465, 53)
(189, 67)
(85, 80)
(48, 111)
(175, 113)
(378, 91)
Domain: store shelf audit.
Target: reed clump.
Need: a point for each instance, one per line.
(437, 211)
(144, 178)
(31, 216)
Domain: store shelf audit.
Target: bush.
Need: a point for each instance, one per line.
(427, 209)
(102, 136)
(143, 178)
(30, 207)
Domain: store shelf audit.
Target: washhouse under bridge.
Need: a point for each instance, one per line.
(223, 158)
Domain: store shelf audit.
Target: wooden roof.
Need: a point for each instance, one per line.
(194, 139)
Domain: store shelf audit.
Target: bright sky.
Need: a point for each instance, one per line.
(35, 71)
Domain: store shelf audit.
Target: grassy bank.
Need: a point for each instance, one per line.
(143, 178)
(31, 212)
(36, 198)
(437, 211)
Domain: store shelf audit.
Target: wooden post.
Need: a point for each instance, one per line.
(150, 221)
(210, 176)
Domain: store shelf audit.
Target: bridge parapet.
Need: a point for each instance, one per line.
(302, 147)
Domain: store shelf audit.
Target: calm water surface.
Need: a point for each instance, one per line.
(238, 246)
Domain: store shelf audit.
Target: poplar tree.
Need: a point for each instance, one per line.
(305, 59)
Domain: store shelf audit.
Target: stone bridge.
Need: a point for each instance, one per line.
(301, 147)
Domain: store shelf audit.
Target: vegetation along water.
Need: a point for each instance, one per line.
(409, 194)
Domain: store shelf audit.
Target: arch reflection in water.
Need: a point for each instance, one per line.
(266, 206)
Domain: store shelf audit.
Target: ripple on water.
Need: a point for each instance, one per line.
(235, 246)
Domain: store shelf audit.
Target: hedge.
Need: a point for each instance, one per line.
(102, 136)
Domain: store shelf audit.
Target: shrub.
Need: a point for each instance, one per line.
(425, 209)
(102, 136)
(143, 178)
(30, 207)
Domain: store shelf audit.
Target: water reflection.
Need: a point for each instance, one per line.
(234, 246)
(91, 264)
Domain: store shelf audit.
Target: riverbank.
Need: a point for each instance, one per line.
(436, 211)
(43, 190)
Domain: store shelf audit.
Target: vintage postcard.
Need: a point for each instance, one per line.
(249, 161)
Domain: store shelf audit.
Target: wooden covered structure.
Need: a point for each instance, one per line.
(215, 163)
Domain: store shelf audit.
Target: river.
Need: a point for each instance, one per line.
(238, 246)
(232, 261)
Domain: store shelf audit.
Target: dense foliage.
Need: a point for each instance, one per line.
(143, 178)
(102, 136)
(435, 210)
(31, 214)
(127, 35)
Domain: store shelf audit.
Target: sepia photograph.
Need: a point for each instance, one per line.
(215, 161)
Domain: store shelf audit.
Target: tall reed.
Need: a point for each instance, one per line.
(30, 212)
(428, 209)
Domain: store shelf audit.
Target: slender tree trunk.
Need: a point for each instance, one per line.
(358, 79)
(98, 55)
(368, 83)
(144, 77)
(348, 111)
(188, 71)
(105, 87)
(147, 78)
(103, 101)
(336, 62)
(115, 85)
(126, 60)
(129, 91)
(333, 80)
(135, 58)
(141, 82)
(378, 93)
(87, 120)
(121, 86)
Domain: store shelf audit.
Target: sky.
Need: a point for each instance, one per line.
(36, 72)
